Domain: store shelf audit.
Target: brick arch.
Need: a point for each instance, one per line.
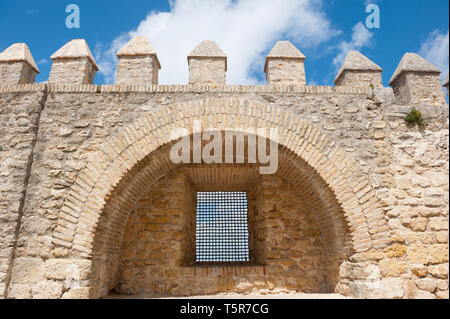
(90, 221)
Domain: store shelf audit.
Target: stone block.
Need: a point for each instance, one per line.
(73, 64)
(138, 63)
(285, 65)
(358, 71)
(417, 82)
(17, 65)
(207, 65)
(61, 269)
(27, 270)
(47, 290)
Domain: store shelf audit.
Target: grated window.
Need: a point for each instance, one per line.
(222, 227)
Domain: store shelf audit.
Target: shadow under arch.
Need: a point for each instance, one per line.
(117, 175)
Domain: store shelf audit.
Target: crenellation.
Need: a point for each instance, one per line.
(17, 65)
(359, 72)
(417, 82)
(207, 65)
(285, 65)
(73, 64)
(138, 63)
(414, 82)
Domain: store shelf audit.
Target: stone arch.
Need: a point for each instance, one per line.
(92, 218)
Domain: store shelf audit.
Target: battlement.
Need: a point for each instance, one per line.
(89, 189)
(415, 82)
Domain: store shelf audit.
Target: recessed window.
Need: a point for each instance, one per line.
(222, 227)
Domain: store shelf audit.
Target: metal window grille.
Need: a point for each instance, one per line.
(222, 227)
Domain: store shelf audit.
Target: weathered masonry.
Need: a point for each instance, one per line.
(92, 205)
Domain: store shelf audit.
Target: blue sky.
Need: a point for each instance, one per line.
(245, 29)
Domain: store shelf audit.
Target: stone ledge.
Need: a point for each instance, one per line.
(23, 88)
(73, 88)
(217, 270)
(233, 89)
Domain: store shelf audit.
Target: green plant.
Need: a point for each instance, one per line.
(415, 117)
(1, 148)
(372, 87)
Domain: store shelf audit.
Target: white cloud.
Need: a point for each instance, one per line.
(244, 29)
(361, 37)
(435, 50)
(43, 62)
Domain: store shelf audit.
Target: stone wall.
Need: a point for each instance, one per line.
(400, 192)
(159, 241)
(418, 203)
(414, 196)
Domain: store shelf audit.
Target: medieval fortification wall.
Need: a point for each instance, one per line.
(90, 203)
